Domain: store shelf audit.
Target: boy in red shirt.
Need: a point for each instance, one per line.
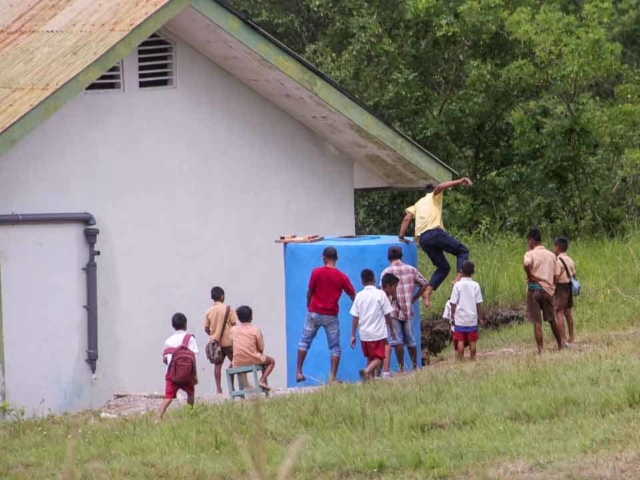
(325, 288)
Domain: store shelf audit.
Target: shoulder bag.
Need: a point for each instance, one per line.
(575, 284)
(214, 351)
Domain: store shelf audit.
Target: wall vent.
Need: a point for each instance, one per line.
(156, 62)
(110, 81)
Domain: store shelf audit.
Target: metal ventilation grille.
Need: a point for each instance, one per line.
(111, 80)
(156, 63)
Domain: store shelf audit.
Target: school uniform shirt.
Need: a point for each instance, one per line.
(370, 306)
(465, 295)
(214, 318)
(544, 267)
(447, 313)
(326, 285)
(248, 345)
(175, 340)
(427, 213)
(571, 266)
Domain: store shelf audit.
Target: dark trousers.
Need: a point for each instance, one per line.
(434, 243)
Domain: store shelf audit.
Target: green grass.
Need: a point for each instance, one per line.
(572, 414)
(608, 270)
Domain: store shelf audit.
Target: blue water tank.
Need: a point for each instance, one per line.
(354, 255)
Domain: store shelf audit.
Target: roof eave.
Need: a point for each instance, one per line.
(416, 158)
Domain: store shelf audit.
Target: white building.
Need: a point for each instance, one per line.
(205, 141)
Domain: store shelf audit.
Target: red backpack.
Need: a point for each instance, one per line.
(182, 369)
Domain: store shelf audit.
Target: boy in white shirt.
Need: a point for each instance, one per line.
(447, 316)
(466, 310)
(180, 375)
(371, 311)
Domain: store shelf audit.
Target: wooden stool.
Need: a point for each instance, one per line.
(243, 382)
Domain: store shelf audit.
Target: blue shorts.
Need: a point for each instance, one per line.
(404, 333)
(312, 324)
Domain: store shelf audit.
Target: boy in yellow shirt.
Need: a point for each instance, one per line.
(432, 236)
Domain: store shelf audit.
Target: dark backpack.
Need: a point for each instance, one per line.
(182, 369)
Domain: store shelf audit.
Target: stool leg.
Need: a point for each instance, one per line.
(255, 381)
(230, 383)
(244, 382)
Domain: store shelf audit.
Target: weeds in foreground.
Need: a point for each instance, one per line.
(502, 416)
(256, 460)
(435, 424)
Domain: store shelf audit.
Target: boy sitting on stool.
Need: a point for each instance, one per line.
(248, 346)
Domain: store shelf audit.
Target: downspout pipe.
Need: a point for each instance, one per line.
(91, 269)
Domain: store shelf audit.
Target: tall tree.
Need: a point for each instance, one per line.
(536, 100)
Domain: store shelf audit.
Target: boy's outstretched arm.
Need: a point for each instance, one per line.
(260, 341)
(309, 297)
(387, 318)
(453, 183)
(354, 327)
(404, 226)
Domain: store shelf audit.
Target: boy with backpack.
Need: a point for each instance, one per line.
(371, 312)
(179, 356)
(563, 297)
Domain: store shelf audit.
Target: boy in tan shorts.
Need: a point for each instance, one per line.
(563, 298)
(218, 321)
(542, 269)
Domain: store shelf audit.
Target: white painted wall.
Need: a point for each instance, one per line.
(190, 186)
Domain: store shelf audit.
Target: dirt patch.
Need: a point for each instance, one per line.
(501, 317)
(625, 465)
(436, 331)
(124, 405)
(435, 337)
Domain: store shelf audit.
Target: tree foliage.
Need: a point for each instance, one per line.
(538, 101)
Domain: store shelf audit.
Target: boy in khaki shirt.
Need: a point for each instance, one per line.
(563, 299)
(213, 322)
(542, 270)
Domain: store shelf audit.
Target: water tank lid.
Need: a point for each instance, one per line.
(360, 240)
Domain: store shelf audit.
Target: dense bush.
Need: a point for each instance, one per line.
(538, 101)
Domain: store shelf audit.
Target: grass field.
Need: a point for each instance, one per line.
(512, 414)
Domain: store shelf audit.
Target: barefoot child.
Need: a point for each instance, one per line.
(542, 269)
(325, 288)
(371, 311)
(179, 356)
(248, 346)
(466, 310)
(563, 297)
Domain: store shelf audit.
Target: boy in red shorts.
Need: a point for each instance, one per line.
(371, 311)
(466, 310)
(179, 341)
